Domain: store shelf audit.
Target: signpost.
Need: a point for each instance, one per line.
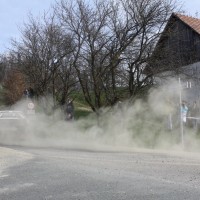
(181, 117)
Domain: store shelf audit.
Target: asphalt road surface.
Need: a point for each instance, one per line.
(72, 174)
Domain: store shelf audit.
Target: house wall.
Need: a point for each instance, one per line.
(177, 55)
(190, 82)
(191, 73)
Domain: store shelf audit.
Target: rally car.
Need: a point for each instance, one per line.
(11, 120)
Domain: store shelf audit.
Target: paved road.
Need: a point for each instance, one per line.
(45, 173)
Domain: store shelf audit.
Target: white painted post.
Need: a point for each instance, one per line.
(181, 117)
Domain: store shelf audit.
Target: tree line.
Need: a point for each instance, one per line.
(99, 48)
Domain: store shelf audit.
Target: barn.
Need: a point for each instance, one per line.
(177, 54)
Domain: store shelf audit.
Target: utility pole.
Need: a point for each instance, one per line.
(181, 117)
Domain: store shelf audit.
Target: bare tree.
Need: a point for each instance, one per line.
(144, 23)
(88, 25)
(113, 41)
(42, 56)
(104, 45)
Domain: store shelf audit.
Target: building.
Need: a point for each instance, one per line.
(177, 54)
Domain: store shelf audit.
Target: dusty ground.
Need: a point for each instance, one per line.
(86, 174)
(10, 157)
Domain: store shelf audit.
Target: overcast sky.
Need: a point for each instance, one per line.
(14, 12)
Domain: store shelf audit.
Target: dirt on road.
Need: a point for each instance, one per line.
(10, 157)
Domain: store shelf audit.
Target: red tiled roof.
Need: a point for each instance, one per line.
(194, 23)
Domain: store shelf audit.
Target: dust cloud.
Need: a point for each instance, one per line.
(153, 123)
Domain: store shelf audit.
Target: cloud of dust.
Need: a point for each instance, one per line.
(153, 123)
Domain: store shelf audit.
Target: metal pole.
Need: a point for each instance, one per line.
(170, 122)
(181, 118)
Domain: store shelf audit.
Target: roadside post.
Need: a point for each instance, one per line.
(181, 118)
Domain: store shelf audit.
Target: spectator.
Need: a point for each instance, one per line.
(26, 93)
(184, 111)
(30, 93)
(69, 110)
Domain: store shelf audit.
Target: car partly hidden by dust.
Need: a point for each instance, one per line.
(12, 124)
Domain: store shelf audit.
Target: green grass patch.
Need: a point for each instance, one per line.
(81, 110)
(81, 113)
